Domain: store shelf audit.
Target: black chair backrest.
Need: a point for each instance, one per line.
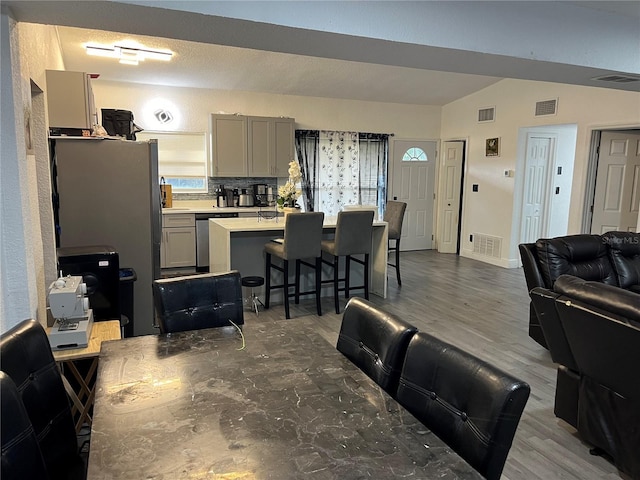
(21, 455)
(469, 404)
(194, 302)
(375, 341)
(585, 256)
(25, 355)
(624, 253)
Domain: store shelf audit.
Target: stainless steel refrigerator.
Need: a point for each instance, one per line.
(106, 192)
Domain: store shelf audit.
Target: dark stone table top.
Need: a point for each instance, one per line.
(196, 405)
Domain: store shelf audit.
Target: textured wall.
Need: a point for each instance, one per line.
(491, 210)
(27, 251)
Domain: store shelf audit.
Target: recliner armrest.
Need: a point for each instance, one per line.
(531, 267)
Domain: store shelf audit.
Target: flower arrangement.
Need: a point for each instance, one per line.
(288, 193)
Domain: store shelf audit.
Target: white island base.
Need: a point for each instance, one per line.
(238, 244)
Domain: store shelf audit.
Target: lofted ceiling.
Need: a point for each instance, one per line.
(202, 65)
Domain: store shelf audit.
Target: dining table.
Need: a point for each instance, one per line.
(272, 399)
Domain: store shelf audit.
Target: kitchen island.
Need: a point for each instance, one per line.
(238, 244)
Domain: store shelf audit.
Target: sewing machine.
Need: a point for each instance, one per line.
(69, 307)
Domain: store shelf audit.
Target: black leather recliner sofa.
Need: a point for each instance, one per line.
(612, 258)
(593, 333)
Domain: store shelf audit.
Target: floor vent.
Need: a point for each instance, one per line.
(546, 107)
(487, 245)
(617, 78)
(487, 114)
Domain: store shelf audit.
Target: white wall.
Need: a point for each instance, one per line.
(26, 263)
(490, 210)
(193, 106)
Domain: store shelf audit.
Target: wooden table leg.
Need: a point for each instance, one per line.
(82, 401)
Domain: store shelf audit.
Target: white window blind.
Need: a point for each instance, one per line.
(182, 158)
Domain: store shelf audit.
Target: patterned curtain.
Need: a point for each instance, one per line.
(307, 152)
(342, 168)
(338, 178)
(374, 156)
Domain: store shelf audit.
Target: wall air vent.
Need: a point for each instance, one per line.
(546, 107)
(487, 114)
(617, 78)
(486, 245)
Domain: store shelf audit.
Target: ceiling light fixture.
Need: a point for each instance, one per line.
(128, 55)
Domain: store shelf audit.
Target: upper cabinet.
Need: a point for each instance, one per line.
(70, 103)
(251, 146)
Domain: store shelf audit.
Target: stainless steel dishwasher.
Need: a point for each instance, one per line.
(202, 236)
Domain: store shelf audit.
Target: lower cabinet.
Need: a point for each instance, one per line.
(178, 246)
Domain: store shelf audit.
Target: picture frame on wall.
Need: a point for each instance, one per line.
(492, 148)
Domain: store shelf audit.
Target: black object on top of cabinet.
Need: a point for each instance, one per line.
(119, 123)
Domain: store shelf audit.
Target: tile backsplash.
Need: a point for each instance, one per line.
(228, 182)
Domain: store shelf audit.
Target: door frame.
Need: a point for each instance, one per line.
(391, 177)
(595, 135)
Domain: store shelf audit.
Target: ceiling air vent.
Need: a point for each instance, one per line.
(546, 107)
(487, 114)
(617, 78)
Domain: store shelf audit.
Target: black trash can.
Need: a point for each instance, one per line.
(127, 277)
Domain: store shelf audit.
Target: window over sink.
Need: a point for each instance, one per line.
(182, 159)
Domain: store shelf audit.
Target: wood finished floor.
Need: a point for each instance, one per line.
(484, 310)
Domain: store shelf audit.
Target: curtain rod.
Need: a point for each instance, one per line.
(327, 130)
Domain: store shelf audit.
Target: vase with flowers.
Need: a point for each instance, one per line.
(289, 193)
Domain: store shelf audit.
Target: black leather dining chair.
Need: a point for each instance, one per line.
(21, 455)
(302, 237)
(469, 404)
(352, 237)
(375, 341)
(394, 216)
(193, 302)
(26, 357)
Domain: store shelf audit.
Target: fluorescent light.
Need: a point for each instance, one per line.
(128, 55)
(101, 51)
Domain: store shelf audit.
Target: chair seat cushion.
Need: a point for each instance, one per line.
(275, 248)
(252, 281)
(329, 246)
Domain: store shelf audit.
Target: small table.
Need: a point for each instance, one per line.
(278, 402)
(83, 399)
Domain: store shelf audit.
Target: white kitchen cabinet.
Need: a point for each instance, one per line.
(284, 137)
(229, 145)
(178, 245)
(252, 146)
(70, 102)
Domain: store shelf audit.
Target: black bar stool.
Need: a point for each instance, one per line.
(253, 282)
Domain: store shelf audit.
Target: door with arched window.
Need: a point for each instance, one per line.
(413, 182)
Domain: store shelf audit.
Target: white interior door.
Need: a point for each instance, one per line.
(615, 205)
(449, 201)
(536, 188)
(414, 166)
